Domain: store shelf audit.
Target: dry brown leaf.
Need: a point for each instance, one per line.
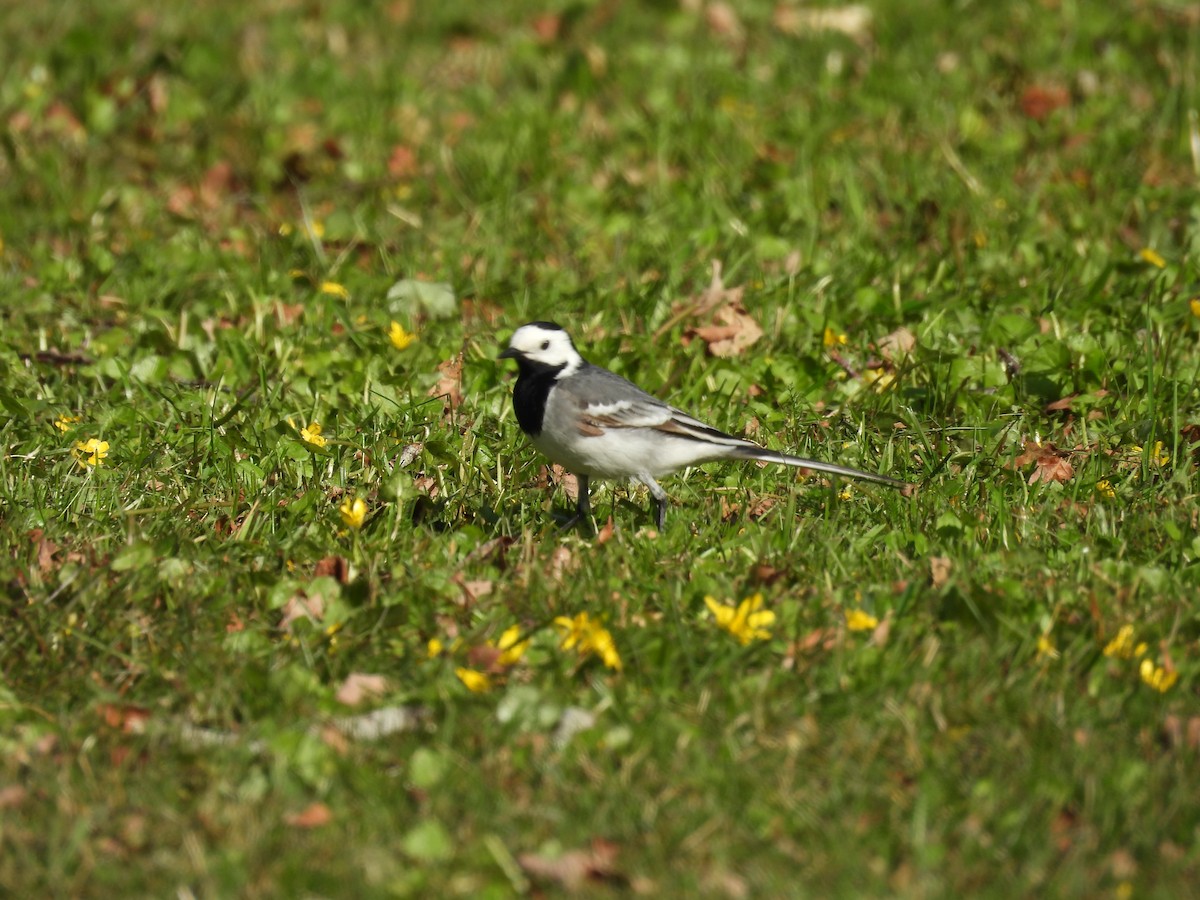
(897, 344)
(1060, 405)
(312, 816)
(569, 483)
(12, 796)
(472, 589)
(732, 332)
(939, 570)
(561, 562)
(402, 163)
(604, 535)
(853, 20)
(360, 686)
(46, 549)
(575, 868)
(1050, 463)
(127, 719)
(1039, 102)
(723, 20)
(335, 567)
(449, 384)
(302, 607)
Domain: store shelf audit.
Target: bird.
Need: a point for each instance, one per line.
(596, 424)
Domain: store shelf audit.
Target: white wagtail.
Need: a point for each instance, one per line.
(595, 424)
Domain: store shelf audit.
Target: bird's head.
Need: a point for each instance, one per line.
(542, 346)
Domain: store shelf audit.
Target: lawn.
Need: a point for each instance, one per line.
(287, 608)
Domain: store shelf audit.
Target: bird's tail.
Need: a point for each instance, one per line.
(761, 453)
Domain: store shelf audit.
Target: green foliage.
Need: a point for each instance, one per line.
(969, 234)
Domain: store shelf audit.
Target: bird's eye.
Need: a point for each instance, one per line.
(545, 345)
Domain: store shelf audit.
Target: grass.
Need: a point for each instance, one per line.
(211, 215)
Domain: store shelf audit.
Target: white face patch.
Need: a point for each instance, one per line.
(547, 346)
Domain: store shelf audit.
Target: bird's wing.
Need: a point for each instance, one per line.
(612, 402)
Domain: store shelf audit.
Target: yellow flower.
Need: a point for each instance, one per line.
(860, 620)
(846, 493)
(1122, 646)
(65, 422)
(511, 649)
(334, 289)
(312, 435)
(1194, 305)
(1046, 648)
(434, 648)
(879, 379)
(354, 513)
(1153, 258)
(1157, 677)
(1105, 489)
(832, 339)
(285, 229)
(476, 682)
(399, 337)
(90, 452)
(746, 621)
(590, 637)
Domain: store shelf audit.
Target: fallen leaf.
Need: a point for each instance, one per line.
(46, 549)
(336, 567)
(1050, 463)
(853, 20)
(12, 796)
(1060, 405)
(723, 20)
(449, 385)
(1039, 102)
(939, 570)
(732, 332)
(561, 562)
(546, 27)
(127, 719)
(575, 868)
(359, 686)
(402, 163)
(312, 816)
(302, 607)
(472, 589)
(897, 344)
(604, 535)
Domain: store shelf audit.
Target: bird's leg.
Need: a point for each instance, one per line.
(583, 505)
(660, 500)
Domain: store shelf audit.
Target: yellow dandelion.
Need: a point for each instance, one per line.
(312, 435)
(335, 290)
(476, 682)
(1122, 646)
(90, 452)
(747, 621)
(400, 338)
(1194, 306)
(590, 638)
(1150, 256)
(354, 513)
(860, 620)
(1157, 677)
(1105, 489)
(1046, 648)
(832, 338)
(434, 648)
(285, 229)
(510, 646)
(65, 422)
(879, 379)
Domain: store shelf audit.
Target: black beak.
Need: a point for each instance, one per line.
(510, 353)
